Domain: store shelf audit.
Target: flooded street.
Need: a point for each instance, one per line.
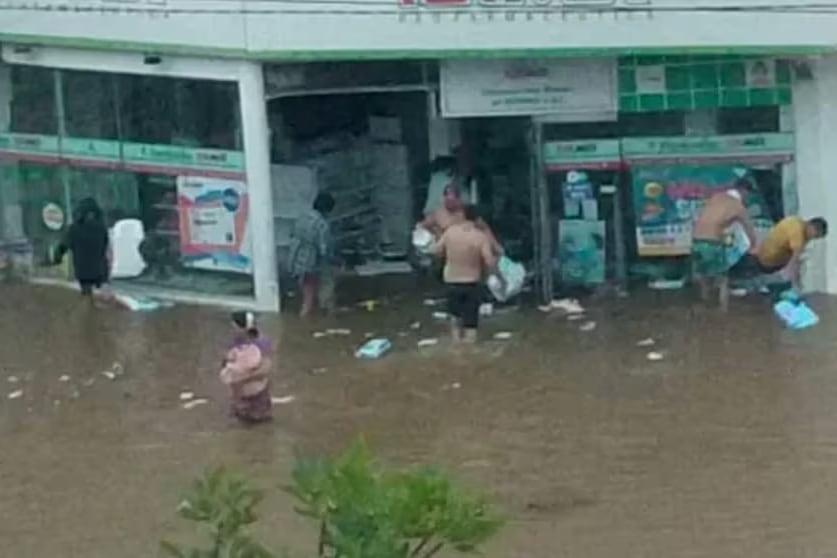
(726, 447)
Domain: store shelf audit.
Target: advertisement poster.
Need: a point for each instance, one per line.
(213, 224)
(528, 87)
(667, 200)
(581, 251)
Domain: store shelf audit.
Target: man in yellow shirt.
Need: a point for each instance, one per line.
(785, 243)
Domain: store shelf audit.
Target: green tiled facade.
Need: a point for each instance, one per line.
(695, 82)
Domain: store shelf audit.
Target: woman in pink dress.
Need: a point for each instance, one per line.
(246, 371)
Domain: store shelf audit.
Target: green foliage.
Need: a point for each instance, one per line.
(368, 512)
(225, 506)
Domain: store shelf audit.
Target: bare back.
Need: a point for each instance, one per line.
(467, 251)
(719, 213)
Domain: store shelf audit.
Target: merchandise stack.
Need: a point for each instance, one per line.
(370, 183)
(345, 174)
(390, 175)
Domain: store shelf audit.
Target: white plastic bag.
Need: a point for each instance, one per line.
(423, 240)
(737, 244)
(513, 275)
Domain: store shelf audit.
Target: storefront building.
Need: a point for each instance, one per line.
(592, 129)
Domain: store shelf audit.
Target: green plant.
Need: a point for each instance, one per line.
(225, 505)
(366, 511)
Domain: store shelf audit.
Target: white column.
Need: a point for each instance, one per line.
(255, 132)
(815, 122)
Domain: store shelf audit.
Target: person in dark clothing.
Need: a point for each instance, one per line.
(87, 239)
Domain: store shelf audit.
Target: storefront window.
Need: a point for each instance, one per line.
(160, 156)
(28, 191)
(89, 105)
(33, 101)
(197, 113)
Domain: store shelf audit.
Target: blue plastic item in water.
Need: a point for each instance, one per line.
(374, 348)
(794, 313)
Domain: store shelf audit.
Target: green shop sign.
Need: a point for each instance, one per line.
(167, 159)
(753, 148)
(91, 150)
(33, 145)
(182, 157)
(584, 154)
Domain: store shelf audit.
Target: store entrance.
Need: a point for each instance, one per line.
(496, 158)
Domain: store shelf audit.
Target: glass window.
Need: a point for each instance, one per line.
(198, 113)
(26, 190)
(89, 105)
(33, 101)
(748, 120)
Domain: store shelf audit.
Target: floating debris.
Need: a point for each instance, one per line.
(374, 348)
(654, 356)
(339, 331)
(432, 301)
(65, 378)
(568, 305)
(430, 342)
(369, 305)
(440, 315)
(587, 327)
(319, 371)
(738, 293)
(17, 394)
(575, 317)
(283, 400)
(415, 325)
(186, 395)
(88, 382)
(647, 342)
(13, 379)
(194, 403)
(318, 334)
(503, 335)
(109, 375)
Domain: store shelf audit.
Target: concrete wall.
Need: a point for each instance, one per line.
(273, 29)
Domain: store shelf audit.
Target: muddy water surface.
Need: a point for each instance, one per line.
(727, 447)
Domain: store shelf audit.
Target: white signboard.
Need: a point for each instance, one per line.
(528, 87)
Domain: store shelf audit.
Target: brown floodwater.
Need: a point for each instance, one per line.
(727, 447)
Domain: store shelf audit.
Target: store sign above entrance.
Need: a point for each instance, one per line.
(750, 149)
(573, 155)
(529, 87)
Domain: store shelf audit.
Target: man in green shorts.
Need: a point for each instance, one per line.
(709, 258)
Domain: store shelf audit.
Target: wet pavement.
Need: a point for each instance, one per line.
(726, 447)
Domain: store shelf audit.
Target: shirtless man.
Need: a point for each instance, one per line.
(451, 213)
(709, 258)
(469, 256)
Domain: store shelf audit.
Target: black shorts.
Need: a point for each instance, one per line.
(87, 285)
(464, 303)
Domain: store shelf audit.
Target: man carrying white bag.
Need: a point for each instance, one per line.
(470, 256)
